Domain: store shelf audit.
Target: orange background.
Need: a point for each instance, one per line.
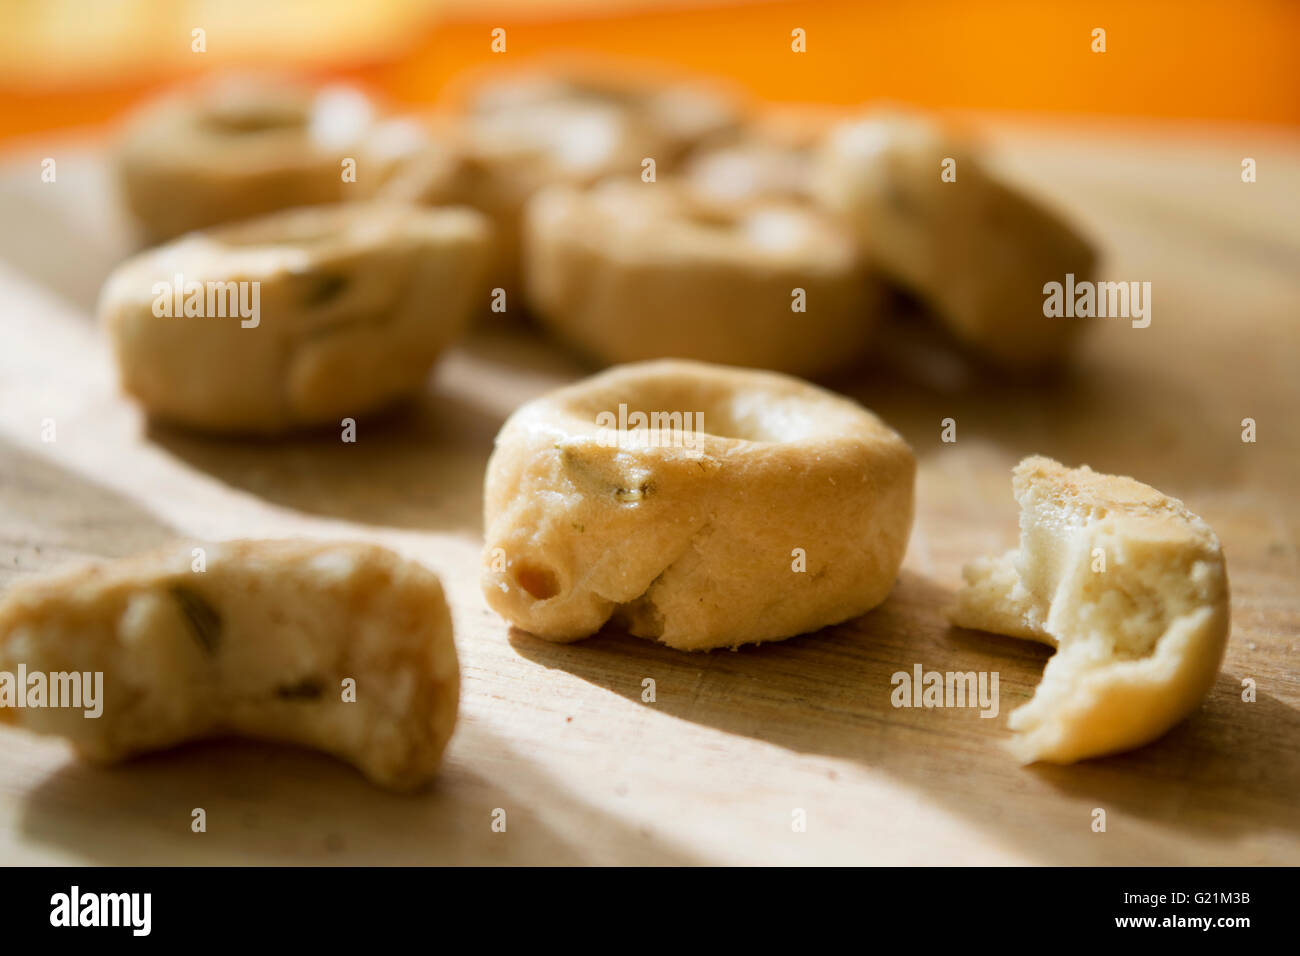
(1190, 59)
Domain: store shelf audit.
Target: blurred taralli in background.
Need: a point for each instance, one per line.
(239, 146)
(564, 124)
(785, 268)
(975, 249)
(354, 302)
(624, 272)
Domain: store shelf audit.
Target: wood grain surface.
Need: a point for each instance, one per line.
(736, 742)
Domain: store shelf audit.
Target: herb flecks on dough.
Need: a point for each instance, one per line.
(306, 689)
(325, 288)
(202, 617)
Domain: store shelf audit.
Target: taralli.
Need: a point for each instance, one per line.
(239, 147)
(695, 505)
(464, 164)
(345, 648)
(773, 155)
(626, 271)
(523, 133)
(750, 170)
(300, 318)
(656, 116)
(1131, 589)
(975, 250)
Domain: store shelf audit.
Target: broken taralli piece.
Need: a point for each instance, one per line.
(1130, 588)
(692, 504)
(259, 643)
(300, 318)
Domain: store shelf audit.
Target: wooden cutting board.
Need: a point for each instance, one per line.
(715, 770)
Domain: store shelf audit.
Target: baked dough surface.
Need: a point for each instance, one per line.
(238, 147)
(694, 546)
(631, 271)
(976, 250)
(539, 127)
(355, 301)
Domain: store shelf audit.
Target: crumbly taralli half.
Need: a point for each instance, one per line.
(259, 644)
(744, 506)
(627, 272)
(1130, 588)
(305, 316)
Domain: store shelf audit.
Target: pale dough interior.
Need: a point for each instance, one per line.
(1131, 589)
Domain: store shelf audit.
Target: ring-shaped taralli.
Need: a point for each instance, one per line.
(240, 147)
(342, 647)
(629, 271)
(750, 169)
(976, 250)
(523, 132)
(669, 114)
(300, 318)
(745, 506)
(773, 155)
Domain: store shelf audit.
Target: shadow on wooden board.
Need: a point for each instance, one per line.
(419, 466)
(266, 803)
(1230, 769)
